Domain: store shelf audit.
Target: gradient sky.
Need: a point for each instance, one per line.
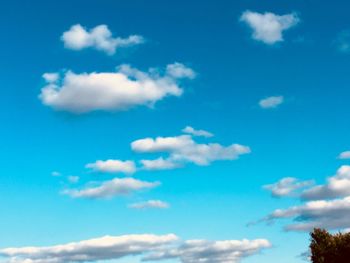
(232, 71)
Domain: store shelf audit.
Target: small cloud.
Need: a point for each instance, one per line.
(286, 186)
(51, 77)
(178, 71)
(190, 130)
(342, 42)
(113, 166)
(55, 173)
(271, 102)
(157, 204)
(73, 179)
(269, 27)
(99, 38)
(344, 155)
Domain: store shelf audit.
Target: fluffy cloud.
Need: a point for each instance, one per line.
(113, 166)
(226, 251)
(336, 186)
(184, 149)
(151, 247)
(112, 188)
(271, 102)
(99, 37)
(344, 155)
(159, 164)
(203, 133)
(110, 91)
(333, 214)
(103, 248)
(286, 186)
(178, 70)
(269, 27)
(150, 204)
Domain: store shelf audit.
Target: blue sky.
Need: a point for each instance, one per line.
(269, 80)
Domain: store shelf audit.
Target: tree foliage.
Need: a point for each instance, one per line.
(329, 248)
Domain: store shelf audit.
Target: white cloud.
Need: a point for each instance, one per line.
(269, 27)
(271, 102)
(113, 166)
(184, 149)
(112, 188)
(178, 71)
(158, 204)
(286, 186)
(336, 186)
(226, 251)
(55, 173)
(99, 37)
(109, 91)
(344, 155)
(51, 77)
(103, 248)
(333, 214)
(190, 130)
(159, 164)
(73, 179)
(149, 246)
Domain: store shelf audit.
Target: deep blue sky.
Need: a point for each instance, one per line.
(301, 138)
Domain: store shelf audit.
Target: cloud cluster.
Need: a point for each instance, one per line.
(183, 148)
(331, 214)
(151, 247)
(109, 91)
(99, 38)
(329, 206)
(111, 188)
(158, 204)
(271, 102)
(113, 166)
(286, 186)
(103, 248)
(226, 251)
(336, 186)
(269, 27)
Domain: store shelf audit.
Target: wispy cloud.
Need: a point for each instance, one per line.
(271, 102)
(112, 188)
(153, 204)
(191, 130)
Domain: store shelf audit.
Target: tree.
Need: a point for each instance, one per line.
(329, 248)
